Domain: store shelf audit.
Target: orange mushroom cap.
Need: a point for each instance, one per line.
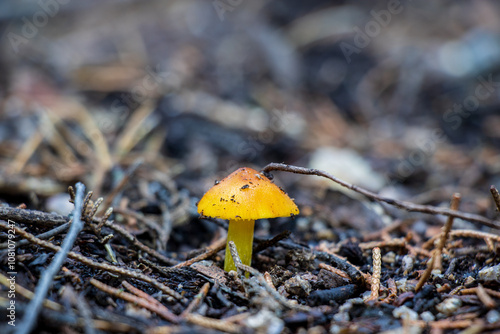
(246, 194)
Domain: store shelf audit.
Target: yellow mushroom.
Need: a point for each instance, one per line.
(242, 197)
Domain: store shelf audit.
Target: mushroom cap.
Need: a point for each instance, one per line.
(246, 194)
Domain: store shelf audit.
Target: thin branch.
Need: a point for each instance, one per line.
(455, 202)
(270, 242)
(198, 299)
(334, 270)
(28, 294)
(43, 236)
(217, 324)
(211, 250)
(411, 207)
(45, 282)
(463, 234)
(485, 298)
(435, 261)
(496, 196)
(131, 298)
(165, 312)
(32, 217)
(427, 273)
(354, 273)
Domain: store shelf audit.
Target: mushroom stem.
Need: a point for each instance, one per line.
(241, 233)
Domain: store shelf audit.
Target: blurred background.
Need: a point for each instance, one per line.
(398, 97)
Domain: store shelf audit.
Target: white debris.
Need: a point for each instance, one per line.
(490, 274)
(265, 322)
(59, 203)
(408, 262)
(449, 306)
(348, 166)
(427, 316)
(492, 316)
(405, 313)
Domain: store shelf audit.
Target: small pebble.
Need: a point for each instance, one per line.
(298, 286)
(405, 313)
(408, 262)
(316, 330)
(389, 257)
(436, 273)
(265, 321)
(490, 274)
(302, 224)
(335, 329)
(405, 286)
(341, 316)
(427, 316)
(492, 316)
(449, 306)
(318, 225)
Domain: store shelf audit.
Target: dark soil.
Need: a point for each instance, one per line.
(148, 104)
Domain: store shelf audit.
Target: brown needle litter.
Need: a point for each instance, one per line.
(151, 305)
(210, 251)
(334, 270)
(91, 263)
(435, 260)
(198, 299)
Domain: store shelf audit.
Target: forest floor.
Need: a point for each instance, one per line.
(379, 121)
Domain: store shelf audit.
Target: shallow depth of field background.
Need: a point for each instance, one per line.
(398, 97)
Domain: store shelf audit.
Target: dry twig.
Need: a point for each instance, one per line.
(496, 196)
(435, 260)
(216, 324)
(411, 207)
(271, 242)
(464, 234)
(485, 298)
(155, 307)
(46, 235)
(32, 217)
(210, 251)
(334, 270)
(472, 291)
(455, 202)
(425, 276)
(45, 282)
(29, 295)
(198, 299)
